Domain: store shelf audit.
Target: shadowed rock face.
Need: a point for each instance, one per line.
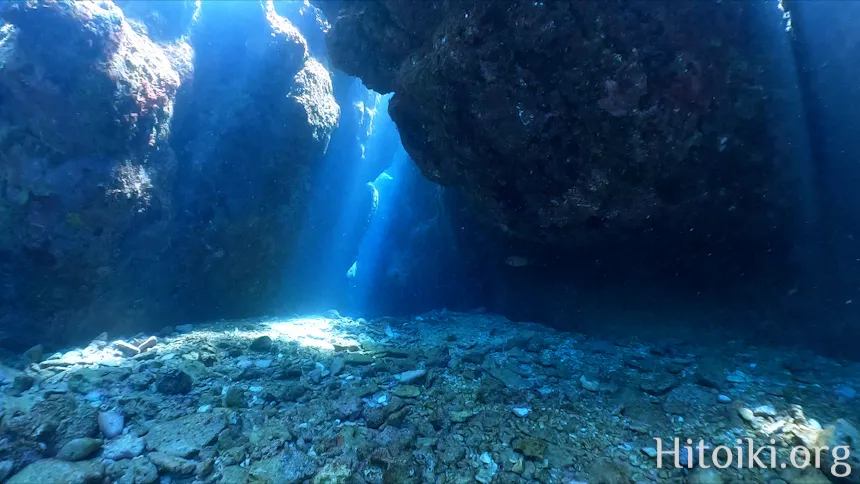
(578, 123)
(252, 123)
(85, 105)
(130, 173)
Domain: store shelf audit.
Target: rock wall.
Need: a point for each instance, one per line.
(156, 162)
(85, 110)
(251, 124)
(581, 123)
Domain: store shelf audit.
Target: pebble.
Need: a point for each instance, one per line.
(337, 366)
(174, 382)
(234, 397)
(764, 411)
(747, 415)
(111, 424)
(737, 377)
(127, 446)
(315, 376)
(148, 344)
(263, 363)
(407, 391)
(127, 349)
(262, 343)
(460, 416)
(184, 328)
(521, 411)
(79, 449)
(589, 384)
(22, 383)
(650, 452)
(408, 376)
(724, 398)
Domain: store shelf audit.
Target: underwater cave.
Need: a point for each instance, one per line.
(423, 241)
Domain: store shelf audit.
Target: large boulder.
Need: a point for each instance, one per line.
(251, 125)
(85, 109)
(578, 123)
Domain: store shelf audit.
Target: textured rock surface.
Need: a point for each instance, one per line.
(86, 106)
(257, 115)
(578, 122)
(442, 396)
(99, 108)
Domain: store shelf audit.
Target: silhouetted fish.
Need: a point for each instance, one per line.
(516, 261)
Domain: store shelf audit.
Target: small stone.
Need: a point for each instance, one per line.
(518, 466)
(659, 384)
(509, 377)
(174, 382)
(142, 471)
(737, 376)
(359, 359)
(35, 354)
(184, 328)
(261, 343)
(747, 415)
(521, 411)
(531, 447)
(58, 471)
(333, 473)
(22, 383)
(407, 391)
(186, 436)
(347, 408)
(204, 409)
(111, 424)
(374, 417)
(337, 365)
(234, 397)
(764, 411)
(724, 398)
(589, 383)
(127, 446)
(169, 464)
(263, 363)
(79, 449)
(315, 375)
(127, 349)
(460, 416)
(148, 344)
(650, 452)
(409, 376)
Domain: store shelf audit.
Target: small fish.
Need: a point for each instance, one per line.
(516, 261)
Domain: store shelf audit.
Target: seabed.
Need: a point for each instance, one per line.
(439, 398)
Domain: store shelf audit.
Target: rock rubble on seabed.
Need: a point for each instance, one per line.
(441, 398)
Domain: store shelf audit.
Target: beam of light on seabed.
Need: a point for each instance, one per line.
(314, 332)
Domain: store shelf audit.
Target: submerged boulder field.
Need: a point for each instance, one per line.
(443, 397)
(578, 123)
